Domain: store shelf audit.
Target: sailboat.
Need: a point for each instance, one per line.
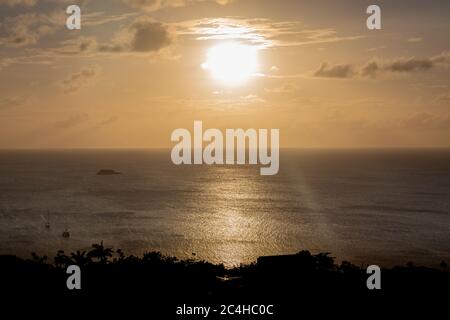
(66, 233)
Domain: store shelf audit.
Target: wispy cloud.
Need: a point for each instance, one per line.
(92, 19)
(415, 40)
(374, 68)
(287, 87)
(80, 79)
(4, 62)
(334, 71)
(26, 29)
(260, 32)
(143, 35)
(71, 121)
(405, 65)
(13, 101)
(155, 5)
(13, 3)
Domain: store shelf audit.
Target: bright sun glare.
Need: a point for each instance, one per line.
(231, 63)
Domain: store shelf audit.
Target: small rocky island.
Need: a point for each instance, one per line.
(106, 172)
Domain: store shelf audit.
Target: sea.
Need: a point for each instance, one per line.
(385, 207)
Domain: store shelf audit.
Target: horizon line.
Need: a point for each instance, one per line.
(169, 148)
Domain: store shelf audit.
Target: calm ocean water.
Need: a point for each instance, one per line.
(364, 206)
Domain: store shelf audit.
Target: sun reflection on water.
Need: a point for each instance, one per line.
(234, 229)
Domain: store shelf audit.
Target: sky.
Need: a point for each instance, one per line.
(139, 69)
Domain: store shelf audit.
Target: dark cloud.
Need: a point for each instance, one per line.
(404, 65)
(370, 69)
(86, 44)
(334, 71)
(409, 65)
(148, 36)
(143, 36)
(374, 68)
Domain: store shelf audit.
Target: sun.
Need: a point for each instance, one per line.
(232, 63)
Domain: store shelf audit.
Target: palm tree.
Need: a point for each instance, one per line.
(80, 258)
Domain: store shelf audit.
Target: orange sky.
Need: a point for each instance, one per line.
(133, 73)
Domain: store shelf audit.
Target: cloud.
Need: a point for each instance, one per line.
(370, 69)
(71, 121)
(26, 29)
(260, 32)
(224, 2)
(148, 36)
(13, 3)
(106, 122)
(31, 3)
(85, 43)
(253, 31)
(80, 46)
(80, 79)
(4, 62)
(443, 98)
(143, 36)
(443, 58)
(408, 65)
(415, 39)
(405, 65)
(318, 36)
(334, 71)
(374, 68)
(425, 120)
(274, 69)
(13, 101)
(376, 48)
(154, 5)
(92, 19)
(287, 87)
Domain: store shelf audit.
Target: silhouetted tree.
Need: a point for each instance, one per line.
(38, 259)
(324, 261)
(80, 258)
(61, 259)
(120, 256)
(101, 253)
